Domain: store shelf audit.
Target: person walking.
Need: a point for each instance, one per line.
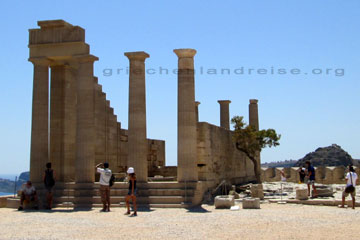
(351, 180)
(105, 176)
(311, 180)
(49, 182)
(132, 192)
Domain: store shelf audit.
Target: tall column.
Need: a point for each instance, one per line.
(69, 124)
(85, 124)
(187, 142)
(57, 120)
(253, 113)
(254, 121)
(137, 143)
(197, 110)
(39, 153)
(224, 113)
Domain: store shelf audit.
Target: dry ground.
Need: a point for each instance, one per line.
(272, 221)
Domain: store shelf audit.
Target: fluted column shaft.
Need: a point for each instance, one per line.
(254, 121)
(224, 113)
(137, 143)
(85, 135)
(187, 141)
(39, 152)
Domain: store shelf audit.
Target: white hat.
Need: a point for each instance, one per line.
(130, 170)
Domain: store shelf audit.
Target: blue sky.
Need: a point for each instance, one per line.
(308, 110)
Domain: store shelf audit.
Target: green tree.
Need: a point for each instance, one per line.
(251, 141)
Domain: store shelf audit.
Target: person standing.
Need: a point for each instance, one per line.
(132, 192)
(301, 174)
(105, 176)
(351, 178)
(311, 176)
(49, 182)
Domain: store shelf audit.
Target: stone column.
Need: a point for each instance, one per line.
(253, 113)
(39, 153)
(187, 142)
(137, 143)
(85, 125)
(197, 110)
(254, 121)
(224, 113)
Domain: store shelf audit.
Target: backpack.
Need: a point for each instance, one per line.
(112, 180)
(49, 180)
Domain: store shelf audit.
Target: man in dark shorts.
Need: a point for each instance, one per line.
(311, 180)
(28, 194)
(49, 182)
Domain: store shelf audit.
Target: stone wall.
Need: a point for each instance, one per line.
(218, 158)
(111, 139)
(323, 175)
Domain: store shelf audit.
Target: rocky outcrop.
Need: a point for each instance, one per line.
(333, 155)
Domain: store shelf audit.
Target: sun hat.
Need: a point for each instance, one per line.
(130, 170)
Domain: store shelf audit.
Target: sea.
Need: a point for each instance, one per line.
(3, 193)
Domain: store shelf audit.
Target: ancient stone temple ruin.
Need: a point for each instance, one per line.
(74, 127)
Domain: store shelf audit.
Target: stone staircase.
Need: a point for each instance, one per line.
(150, 195)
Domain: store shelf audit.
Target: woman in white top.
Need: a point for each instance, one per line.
(351, 179)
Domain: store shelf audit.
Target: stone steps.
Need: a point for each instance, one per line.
(121, 199)
(123, 192)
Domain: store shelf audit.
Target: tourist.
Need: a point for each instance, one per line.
(132, 192)
(302, 174)
(351, 178)
(105, 176)
(49, 182)
(311, 180)
(282, 175)
(28, 194)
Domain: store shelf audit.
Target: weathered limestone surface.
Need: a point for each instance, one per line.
(257, 191)
(197, 110)
(323, 175)
(137, 146)
(302, 194)
(85, 138)
(218, 158)
(39, 127)
(187, 168)
(224, 113)
(251, 203)
(224, 201)
(254, 121)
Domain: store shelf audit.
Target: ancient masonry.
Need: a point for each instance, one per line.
(323, 175)
(74, 127)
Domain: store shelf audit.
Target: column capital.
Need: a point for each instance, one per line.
(139, 56)
(224, 101)
(40, 61)
(253, 101)
(185, 52)
(197, 103)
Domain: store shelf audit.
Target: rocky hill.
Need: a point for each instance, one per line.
(332, 155)
(7, 186)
